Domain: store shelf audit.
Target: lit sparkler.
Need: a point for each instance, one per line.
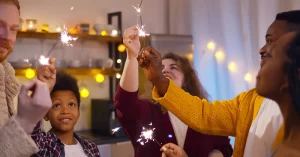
(113, 131)
(65, 38)
(139, 25)
(147, 135)
(44, 60)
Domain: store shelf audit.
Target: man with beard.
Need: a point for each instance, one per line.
(15, 131)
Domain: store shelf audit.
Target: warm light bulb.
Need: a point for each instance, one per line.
(99, 78)
(84, 92)
(29, 73)
(121, 48)
(119, 61)
(72, 8)
(220, 55)
(232, 67)
(114, 33)
(211, 46)
(104, 33)
(248, 77)
(190, 56)
(118, 76)
(58, 29)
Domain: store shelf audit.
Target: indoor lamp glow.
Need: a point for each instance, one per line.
(121, 48)
(84, 92)
(232, 67)
(118, 76)
(104, 33)
(220, 55)
(29, 73)
(248, 77)
(99, 78)
(211, 46)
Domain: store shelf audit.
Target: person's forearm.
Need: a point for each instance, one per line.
(27, 126)
(130, 76)
(161, 85)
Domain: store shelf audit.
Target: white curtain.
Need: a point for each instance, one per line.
(237, 27)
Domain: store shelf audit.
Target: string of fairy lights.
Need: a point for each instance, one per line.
(232, 66)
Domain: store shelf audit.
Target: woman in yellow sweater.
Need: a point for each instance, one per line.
(228, 118)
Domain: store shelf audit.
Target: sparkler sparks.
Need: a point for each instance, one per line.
(43, 60)
(146, 136)
(113, 131)
(65, 38)
(139, 25)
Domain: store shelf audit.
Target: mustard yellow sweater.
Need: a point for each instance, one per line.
(227, 118)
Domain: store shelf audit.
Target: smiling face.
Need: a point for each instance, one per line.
(9, 24)
(64, 112)
(172, 70)
(272, 78)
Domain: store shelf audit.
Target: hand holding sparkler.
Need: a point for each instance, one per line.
(47, 74)
(65, 38)
(172, 150)
(132, 42)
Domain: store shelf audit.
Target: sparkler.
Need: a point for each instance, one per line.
(147, 135)
(139, 25)
(65, 38)
(113, 131)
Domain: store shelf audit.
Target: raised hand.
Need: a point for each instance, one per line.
(32, 108)
(172, 150)
(132, 42)
(47, 73)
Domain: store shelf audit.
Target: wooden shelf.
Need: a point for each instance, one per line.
(56, 36)
(78, 71)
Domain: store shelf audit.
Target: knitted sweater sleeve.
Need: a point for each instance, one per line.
(216, 118)
(14, 141)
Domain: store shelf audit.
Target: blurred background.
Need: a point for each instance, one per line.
(220, 37)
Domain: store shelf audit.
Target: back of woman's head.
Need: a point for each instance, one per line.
(191, 83)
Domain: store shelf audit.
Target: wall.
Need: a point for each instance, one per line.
(58, 12)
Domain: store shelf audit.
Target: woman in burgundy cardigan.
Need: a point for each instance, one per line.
(133, 113)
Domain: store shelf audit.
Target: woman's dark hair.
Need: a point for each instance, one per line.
(293, 69)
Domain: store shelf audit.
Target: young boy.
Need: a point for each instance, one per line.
(61, 141)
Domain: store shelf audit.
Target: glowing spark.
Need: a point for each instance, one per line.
(141, 30)
(146, 136)
(65, 38)
(72, 8)
(138, 9)
(43, 60)
(113, 131)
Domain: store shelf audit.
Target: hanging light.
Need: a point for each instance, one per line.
(104, 33)
(99, 78)
(190, 56)
(220, 55)
(121, 48)
(248, 77)
(119, 61)
(84, 92)
(211, 46)
(118, 76)
(29, 73)
(232, 67)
